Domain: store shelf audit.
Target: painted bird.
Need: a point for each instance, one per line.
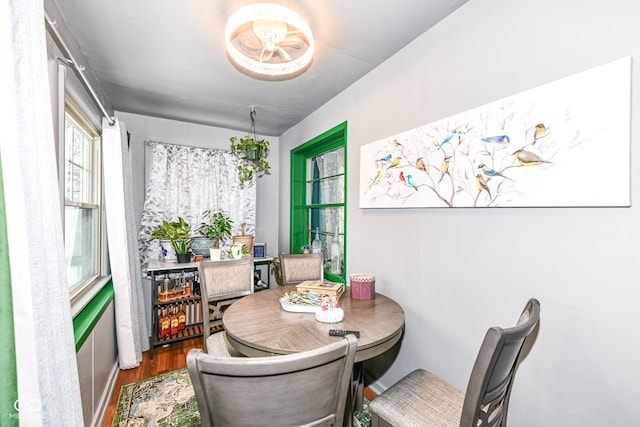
(448, 138)
(490, 172)
(498, 139)
(395, 162)
(411, 182)
(420, 164)
(401, 176)
(444, 167)
(378, 177)
(527, 158)
(540, 132)
(482, 184)
(385, 158)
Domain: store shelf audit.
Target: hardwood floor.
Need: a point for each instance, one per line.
(165, 359)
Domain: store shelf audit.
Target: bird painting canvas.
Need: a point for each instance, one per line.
(563, 144)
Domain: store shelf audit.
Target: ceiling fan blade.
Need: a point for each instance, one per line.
(292, 42)
(283, 54)
(266, 55)
(250, 43)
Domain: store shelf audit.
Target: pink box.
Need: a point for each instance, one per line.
(363, 286)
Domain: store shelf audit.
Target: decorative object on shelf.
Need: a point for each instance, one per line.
(238, 250)
(168, 253)
(269, 42)
(215, 254)
(200, 245)
(177, 233)
(259, 250)
(252, 151)
(216, 227)
(245, 239)
(363, 286)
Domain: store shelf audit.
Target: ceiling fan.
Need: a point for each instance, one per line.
(271, 41)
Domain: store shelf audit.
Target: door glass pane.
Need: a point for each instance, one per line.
(326, 191)
(326, 164)
(326, 220)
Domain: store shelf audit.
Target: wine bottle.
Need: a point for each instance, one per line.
(174, 321)
(164, 324)
(336, 254)
(316, 244)
(182, 318)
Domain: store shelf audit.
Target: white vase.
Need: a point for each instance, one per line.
(168, 253)
(215, 254)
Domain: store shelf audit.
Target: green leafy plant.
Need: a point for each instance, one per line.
(254, 153)
(217, 226)
(177, 232)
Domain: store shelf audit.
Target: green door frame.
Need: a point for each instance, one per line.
(327, 141)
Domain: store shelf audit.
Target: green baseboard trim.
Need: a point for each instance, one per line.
(87, 319)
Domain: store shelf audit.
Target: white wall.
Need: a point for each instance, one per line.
(458, 271)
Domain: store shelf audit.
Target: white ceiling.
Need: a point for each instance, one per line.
(166, 58)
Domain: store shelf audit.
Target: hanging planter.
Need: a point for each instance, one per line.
(252, 151)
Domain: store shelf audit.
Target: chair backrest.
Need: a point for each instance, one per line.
(222, 282)
(301, 389)
(487, 396)
(296, 268)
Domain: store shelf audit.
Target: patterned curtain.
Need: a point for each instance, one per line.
(186, 181)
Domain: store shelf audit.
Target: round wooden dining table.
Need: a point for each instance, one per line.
(257, 325)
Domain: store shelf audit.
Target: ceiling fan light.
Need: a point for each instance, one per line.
(270, 31)
(271, 24)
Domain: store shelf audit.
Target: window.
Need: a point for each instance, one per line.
(318, 195)
(82, 201)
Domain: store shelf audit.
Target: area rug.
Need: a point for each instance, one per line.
(167, 400)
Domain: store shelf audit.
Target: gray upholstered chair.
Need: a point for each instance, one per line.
(222, 283)
(236, 391)
(423, 399)
(296, 268)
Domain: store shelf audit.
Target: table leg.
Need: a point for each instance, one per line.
(354, 396)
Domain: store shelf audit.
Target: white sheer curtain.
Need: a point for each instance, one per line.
(131, 325)
(47, 373)
(185, 181)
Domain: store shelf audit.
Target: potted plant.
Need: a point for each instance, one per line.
(217, 227)
(177, 234)
(253, 152)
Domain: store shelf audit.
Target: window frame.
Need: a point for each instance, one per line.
(299, 209)
(83, 293)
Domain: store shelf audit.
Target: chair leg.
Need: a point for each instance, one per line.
(376, 421)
